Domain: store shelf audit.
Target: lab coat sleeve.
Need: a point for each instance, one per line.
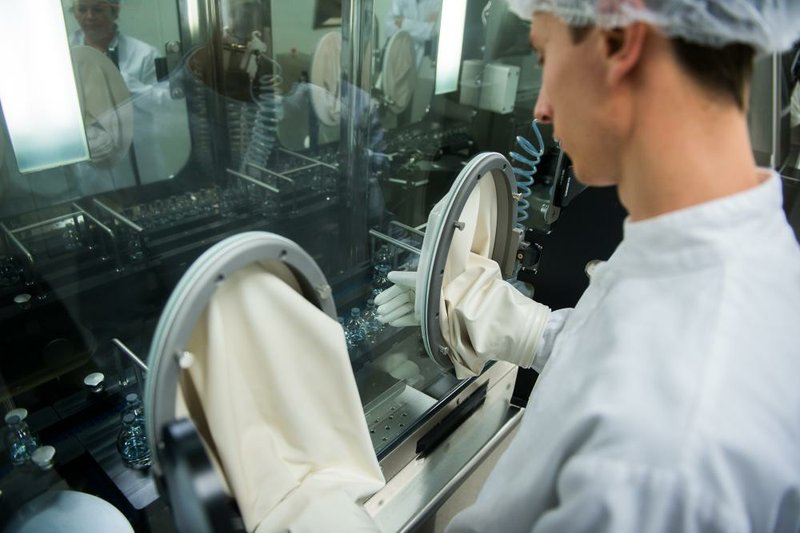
(603, 495)
(139, 73)
(554, 326)
(388, 21)
(419, 30)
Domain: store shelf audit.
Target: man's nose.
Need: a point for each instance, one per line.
(543, 111)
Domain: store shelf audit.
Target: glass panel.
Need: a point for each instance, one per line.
(265, 115)
(421, 136)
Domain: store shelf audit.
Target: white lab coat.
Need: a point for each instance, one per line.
(671, 399)
(153, 109)
(415, 15)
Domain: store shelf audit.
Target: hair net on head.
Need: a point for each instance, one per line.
(766, 25)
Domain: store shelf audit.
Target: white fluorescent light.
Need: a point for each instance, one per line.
(37, 86)
(451, 39)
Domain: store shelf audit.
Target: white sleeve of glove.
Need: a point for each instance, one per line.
(314, 511)
(551, 331)
(485, 318)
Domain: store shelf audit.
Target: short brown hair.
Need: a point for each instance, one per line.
(726, 71)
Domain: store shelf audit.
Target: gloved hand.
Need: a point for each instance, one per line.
(395, 305)
(487, 319)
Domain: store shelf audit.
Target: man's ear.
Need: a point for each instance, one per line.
(623, 47)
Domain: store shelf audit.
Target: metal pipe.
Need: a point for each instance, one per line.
(304, 167)
(105, 228)
(252, 180)
(276, 174)
(408, 183)
(95, 220)
(391, 240)
(18, 244)
(138, 364)
(43, 223)
(413, 230)
(125, 220)
(301, 156)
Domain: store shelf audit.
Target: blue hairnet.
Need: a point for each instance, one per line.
(766, 25)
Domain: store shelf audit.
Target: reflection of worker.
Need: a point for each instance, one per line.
(419, 18)
(667, 399)
(134, 58)
(136, 62)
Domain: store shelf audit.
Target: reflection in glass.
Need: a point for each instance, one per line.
(37, 88)
(448, 59)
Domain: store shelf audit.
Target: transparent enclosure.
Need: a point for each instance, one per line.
(336, 124)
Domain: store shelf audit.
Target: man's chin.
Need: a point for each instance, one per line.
(592, 179)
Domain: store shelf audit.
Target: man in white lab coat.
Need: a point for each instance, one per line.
(135, 60)
(420, 18)
(668, 399)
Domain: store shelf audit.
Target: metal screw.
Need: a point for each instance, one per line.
(185, 359)
(324, 291)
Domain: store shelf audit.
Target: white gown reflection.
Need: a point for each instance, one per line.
(418, 17)
(152, 109)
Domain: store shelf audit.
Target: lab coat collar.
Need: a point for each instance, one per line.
(79, 39)
(697, 235)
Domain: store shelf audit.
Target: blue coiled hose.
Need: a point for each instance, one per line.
(525, 173)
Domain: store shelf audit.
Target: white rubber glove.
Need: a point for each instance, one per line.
(396, 304)
(488, 319)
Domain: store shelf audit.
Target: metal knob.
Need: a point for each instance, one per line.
(95, 381)
(43, 457)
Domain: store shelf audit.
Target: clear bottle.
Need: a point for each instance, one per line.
(356, 327)
(371, 320)
(134, 406)
(132, 443)
(380, 278)
(383, 255)
(20, 441)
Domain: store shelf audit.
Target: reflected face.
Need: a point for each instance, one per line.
(97, 19)
(574, 99)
